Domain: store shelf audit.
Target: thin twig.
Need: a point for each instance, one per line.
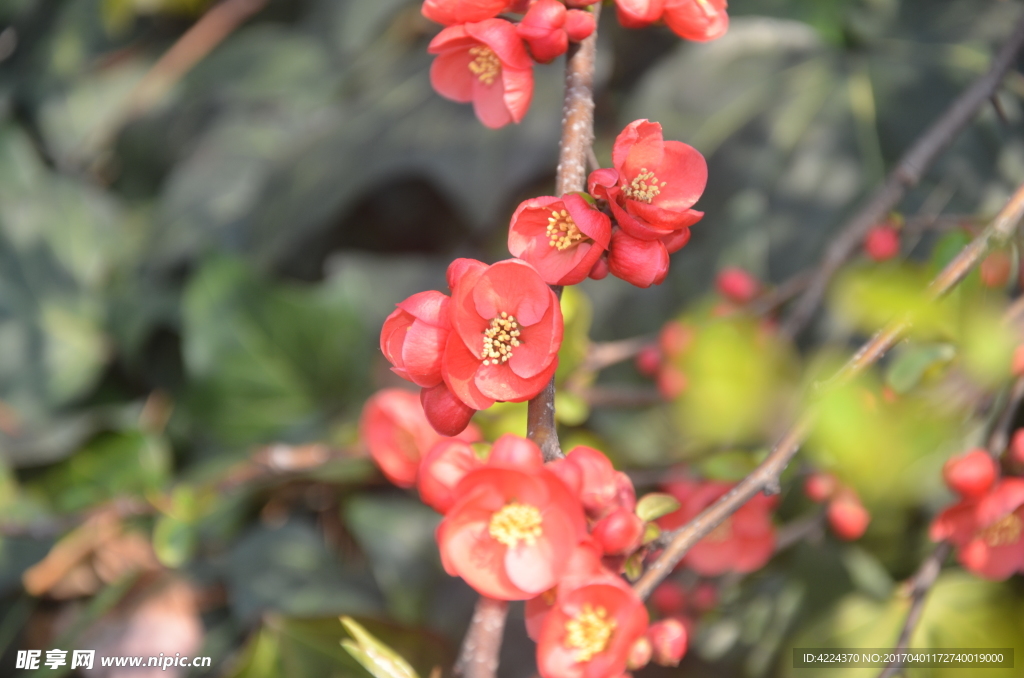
(917, 588)
(765, 478)
(481, 647)
(607, 353)
(577, 139)
(905, 175)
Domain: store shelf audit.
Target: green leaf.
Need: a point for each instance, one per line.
(174, 541)
(634, 566)
(655, 505)
(375, 656)
(911, 364)
(570, 408)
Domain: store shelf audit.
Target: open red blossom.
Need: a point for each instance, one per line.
(697, 20)
(737, 285)
(590, 631)
(486, 63)
(669, 640)
(654, 185)
(742, 543)
(561, 237)
(414, 336)
(397, 434)
(507, 328)
(988, 532)
(449, 12)
(511, 531)
(638, 13)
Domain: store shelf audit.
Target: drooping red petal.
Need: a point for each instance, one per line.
(678, 239)
(518, 91)
(489, 102)
(422, 353)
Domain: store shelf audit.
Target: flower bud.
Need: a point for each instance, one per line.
(674, 338)
(669, 639)
(515, 452)
(447, 414)
(820, 486)
(970, 474)
(600, 269)
(640, 654)
(672, 382)
(619, 532)
(669, 598)
(882, 243)
(737, 285)
(648, 360)
(848, 518)
(995, 269)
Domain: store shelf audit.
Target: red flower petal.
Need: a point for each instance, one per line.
(640, 262)
(697, 20)
(447, 414)
(640, 145)
(489, 102)
(539, 343)
(685, 173)
(430, 306)
(459, 368)
(514, 287)
(638, 13)
(501, 383)
(501, 37)
(422, 352)
(518, 86)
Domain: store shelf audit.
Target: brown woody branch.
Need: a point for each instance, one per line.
(765, 478)
(573, 150)
(481, 647)
(907, 174)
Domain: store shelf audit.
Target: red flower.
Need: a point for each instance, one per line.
(449, 12)
(970, 474)
(638, 13)
(882, 242)
(987, 531)
(561, 238)
(698, 20)
(737, 285)
(398, 434)
(847, 516)
(507, 330)
(589, 632)
(486, 63)
(743, 543)
(510, 532)
(654, 183)
(584, 567)
(820, 486)
(669, 598)
(1017, 446)
(618, 533)
(414, 336)
(674, 338)
(672, 382)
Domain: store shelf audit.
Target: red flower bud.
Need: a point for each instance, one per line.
(848, 518)
(648, 360)
(671, 382)
(674, 338)
(446, 413)
(1017, 446)
(514, 452)
(820, 486)
(970, 474)
(737, 285)
(542, 29)
(619, 532)
(669, 640)
(600, 270)
(705, 597)
(882, 243)
(669, 598)
(579, 25)
(639, 654)
(995, 269)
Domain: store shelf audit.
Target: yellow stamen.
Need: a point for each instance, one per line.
(499, 339)
(1004, 531)
(485, 64)
(515, 523)
(562, 231)
(644, 187)
(589, 632)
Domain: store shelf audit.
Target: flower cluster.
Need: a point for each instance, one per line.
(987, 525)
(488, 60)
(634, 215)
(846, 515)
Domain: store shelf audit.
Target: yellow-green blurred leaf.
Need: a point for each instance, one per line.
(375, 656)
(655, 505)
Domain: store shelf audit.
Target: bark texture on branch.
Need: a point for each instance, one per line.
(481, 647)
(907, 174)
(765, 478)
